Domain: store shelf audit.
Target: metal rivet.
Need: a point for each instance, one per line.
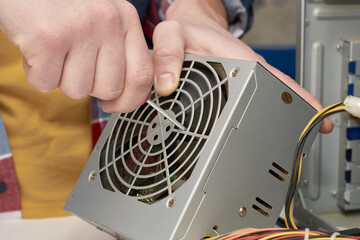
(286, 97)
(92, 176)
(334, 193)
(306, 182)
(242, 211)
(171, 202)
(235, 72)
(339, 47)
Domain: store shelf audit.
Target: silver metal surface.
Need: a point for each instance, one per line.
(237, 151)
(325, 28)
(164, 113)
(348, 196)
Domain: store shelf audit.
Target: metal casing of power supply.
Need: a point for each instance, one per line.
(328, 47)
(241, 174)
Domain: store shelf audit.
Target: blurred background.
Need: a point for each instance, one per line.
(273, 33)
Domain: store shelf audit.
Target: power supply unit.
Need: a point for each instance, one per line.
(229, 168)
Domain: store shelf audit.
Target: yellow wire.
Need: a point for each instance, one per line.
(326, 110)
(286, 234)
(244, 232)
(319, 114)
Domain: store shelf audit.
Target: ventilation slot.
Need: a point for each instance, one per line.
(281, 169)
(260, 210)
(266, 214)
(259, 200)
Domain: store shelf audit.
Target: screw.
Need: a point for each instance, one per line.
(304, 155)
(72, 195)
(235, 72)
(334, 193)
(171, 202)
(242, 211)
(339, 47)
(216, 229)
(306, 182)
(92, 176)
(307, 22)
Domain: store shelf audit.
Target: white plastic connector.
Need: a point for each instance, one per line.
(352, 105)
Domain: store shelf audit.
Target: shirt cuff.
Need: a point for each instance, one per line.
(238, 17)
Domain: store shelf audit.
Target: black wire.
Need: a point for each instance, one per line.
(296, 161)
(293, 184)
(295, 175)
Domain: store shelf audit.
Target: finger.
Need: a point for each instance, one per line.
(326, 126)
(110, 70)
(138, 74)
(44, 68)
(168, 56)
(78, 73)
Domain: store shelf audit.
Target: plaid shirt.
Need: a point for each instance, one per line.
(151, 12)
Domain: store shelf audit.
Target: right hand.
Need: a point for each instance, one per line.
(200, 27)
(93, 47)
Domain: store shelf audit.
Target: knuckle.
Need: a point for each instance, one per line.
(111, 107)
(75, 94)
(130, 12)
(41, 84)
(109, 15)
(142, 77)
(166, 27)
(47, 40)
(166, 55)
(107, 95)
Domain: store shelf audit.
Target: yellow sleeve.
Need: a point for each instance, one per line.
(49, 135)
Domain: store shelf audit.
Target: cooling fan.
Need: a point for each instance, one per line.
(228, 168)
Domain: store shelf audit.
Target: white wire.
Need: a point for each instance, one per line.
(333, 236)
(307, 233)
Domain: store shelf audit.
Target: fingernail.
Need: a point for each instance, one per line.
(165, 83)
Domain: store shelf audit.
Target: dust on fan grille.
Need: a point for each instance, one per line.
(146, 156)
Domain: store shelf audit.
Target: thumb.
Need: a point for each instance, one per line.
(168, 56)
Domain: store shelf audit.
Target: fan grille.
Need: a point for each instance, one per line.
(146, 156)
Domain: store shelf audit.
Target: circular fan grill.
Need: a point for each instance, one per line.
(146, 156)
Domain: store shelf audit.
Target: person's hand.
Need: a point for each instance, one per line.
(93, 47)
(200, 27)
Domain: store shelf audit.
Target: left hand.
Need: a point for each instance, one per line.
(200, 27)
